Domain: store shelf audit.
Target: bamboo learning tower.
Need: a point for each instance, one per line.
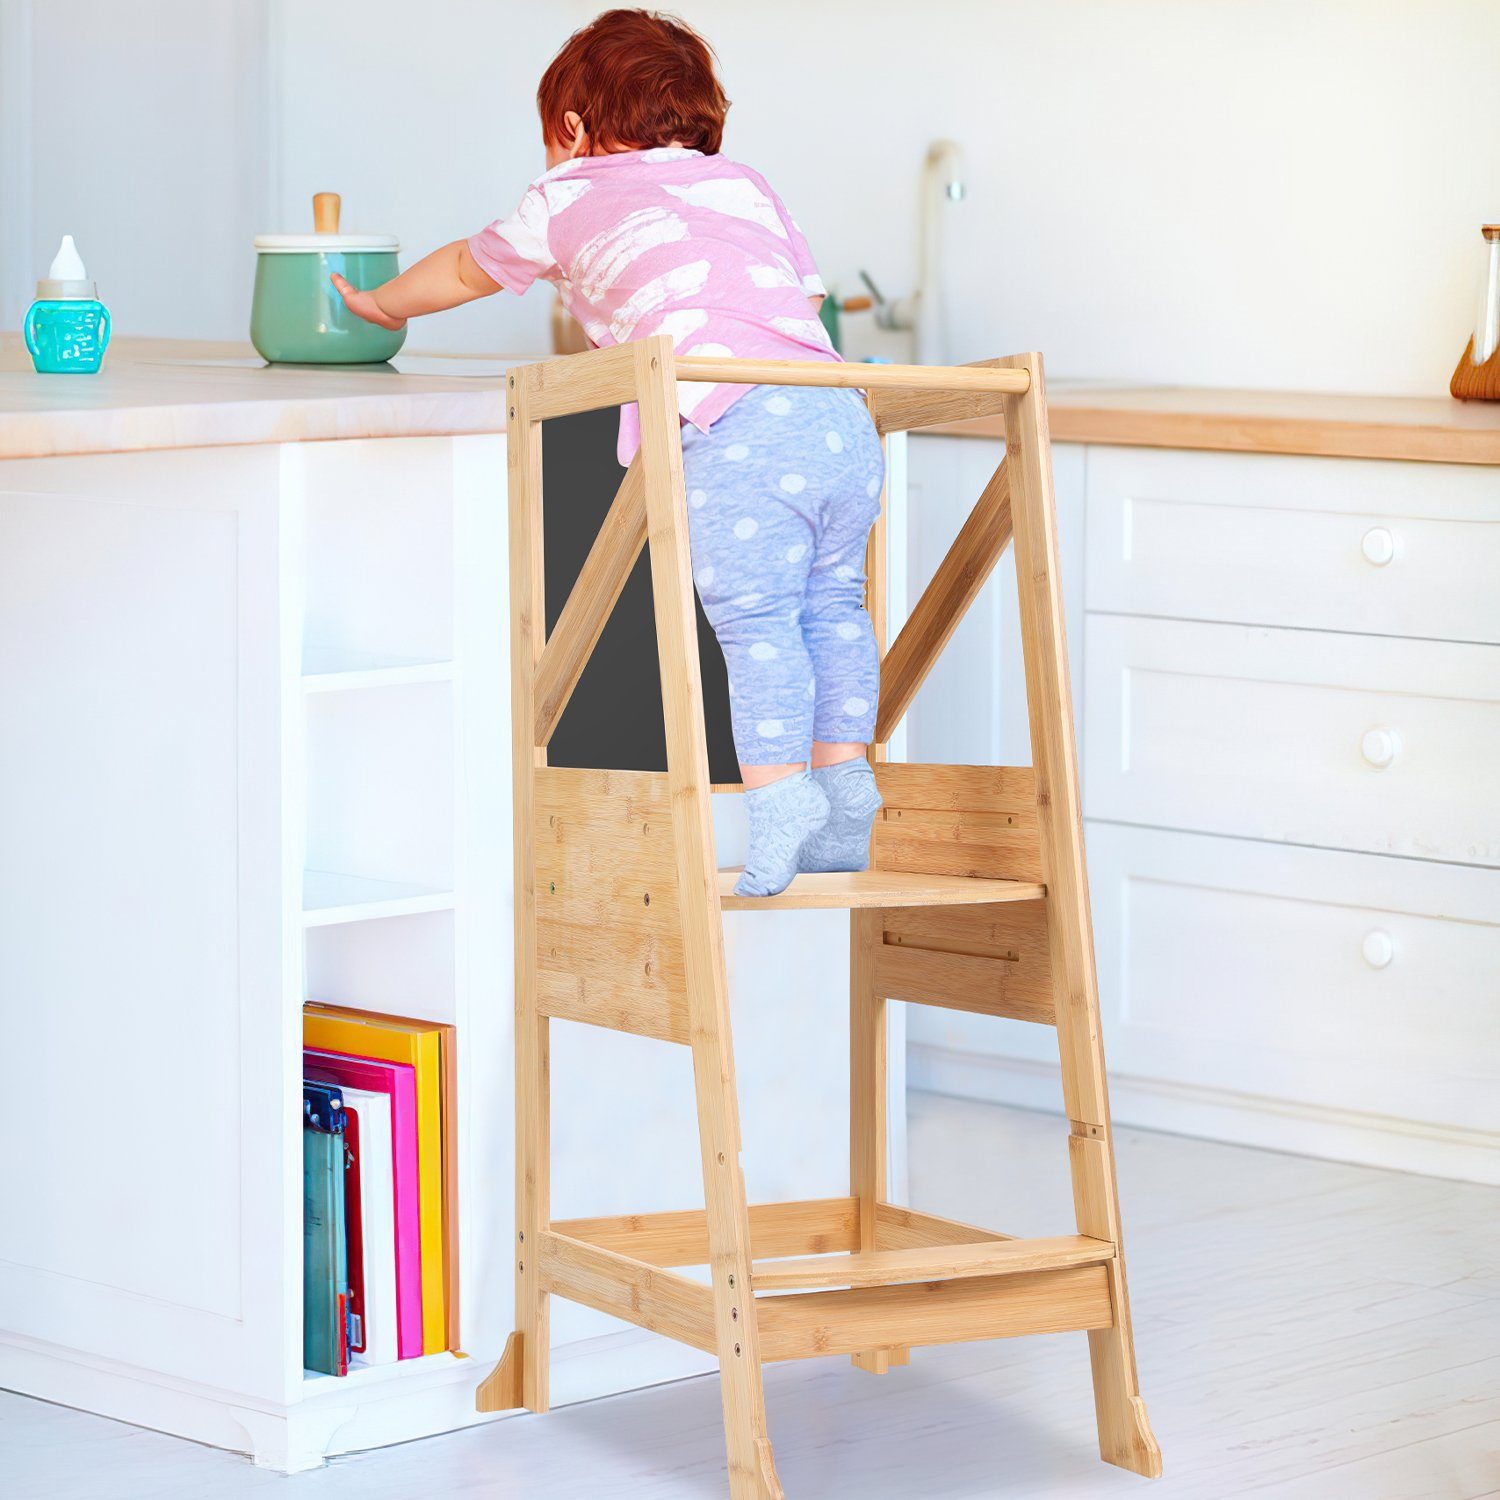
(976, 899)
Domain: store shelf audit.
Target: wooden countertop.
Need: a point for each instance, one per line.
(162, 393)
(1434, 429)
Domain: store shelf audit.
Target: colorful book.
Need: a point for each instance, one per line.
(421, 1045)
(397, 1081)
(369, 1113)
(354, 1230)
(325, 1292)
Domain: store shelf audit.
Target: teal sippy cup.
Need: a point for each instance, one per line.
(67, 327)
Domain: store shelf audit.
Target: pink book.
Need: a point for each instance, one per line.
(399, 1081)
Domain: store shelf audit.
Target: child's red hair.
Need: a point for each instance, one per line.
(638, 79)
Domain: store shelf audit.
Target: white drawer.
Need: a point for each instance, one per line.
(1280, 734)
(1403, 549)
(1348, 981)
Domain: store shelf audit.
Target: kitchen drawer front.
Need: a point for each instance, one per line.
(1403, 549)
(1307, 737)
(1347, 981)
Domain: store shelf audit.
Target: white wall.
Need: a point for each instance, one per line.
(1259, 192)
(428, 131)
(138, 129)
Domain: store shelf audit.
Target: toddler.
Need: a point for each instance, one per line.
(646, 229)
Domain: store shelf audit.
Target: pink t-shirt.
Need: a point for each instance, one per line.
(666, 241)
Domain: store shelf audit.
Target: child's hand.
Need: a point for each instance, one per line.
(363, 304)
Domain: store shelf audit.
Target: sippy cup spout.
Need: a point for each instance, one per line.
(67, 264)
(66, 279)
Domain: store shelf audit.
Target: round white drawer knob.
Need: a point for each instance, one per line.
(1378, 949)
(1380, 747)
(1378, 546)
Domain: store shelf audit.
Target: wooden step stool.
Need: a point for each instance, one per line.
(976, 899)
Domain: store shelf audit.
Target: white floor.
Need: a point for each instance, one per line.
(1306, 1331)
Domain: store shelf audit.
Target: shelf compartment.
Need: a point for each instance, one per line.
(401, 963)
(873, 888)
(330, 897)
(380, 547)
(381, 784)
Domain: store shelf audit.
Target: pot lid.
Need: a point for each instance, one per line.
(326, 210)
(290, 244)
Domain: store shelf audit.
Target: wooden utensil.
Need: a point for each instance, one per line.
(326, 212)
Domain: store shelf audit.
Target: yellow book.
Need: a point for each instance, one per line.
(333, 1028)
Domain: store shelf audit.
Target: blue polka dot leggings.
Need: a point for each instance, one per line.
(782, 493)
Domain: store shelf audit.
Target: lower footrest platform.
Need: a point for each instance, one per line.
(932, 1263)
(803, 1325)
(929, 1281)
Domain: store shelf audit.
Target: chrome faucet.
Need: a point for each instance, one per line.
(923, 312)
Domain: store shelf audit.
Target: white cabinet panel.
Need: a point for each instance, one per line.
(1351, 981)
(1330, 544)
(1352, 742)
(145, 1096)
(972, 708)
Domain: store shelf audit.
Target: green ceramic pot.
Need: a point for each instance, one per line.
(298, 318)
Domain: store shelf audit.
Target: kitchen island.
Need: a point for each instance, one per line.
(256, 749)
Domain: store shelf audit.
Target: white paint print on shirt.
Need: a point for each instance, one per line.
(666, 241)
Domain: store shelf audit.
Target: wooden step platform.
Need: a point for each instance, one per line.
(931, 1263)
(868, 888)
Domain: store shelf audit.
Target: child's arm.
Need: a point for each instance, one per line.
(447, 278)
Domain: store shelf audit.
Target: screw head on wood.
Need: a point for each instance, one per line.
(521, 1266)
(736, 1350)
(731, 1280)
(734, 1314)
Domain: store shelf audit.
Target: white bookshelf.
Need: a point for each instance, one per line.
(267, 759)
(385, 891)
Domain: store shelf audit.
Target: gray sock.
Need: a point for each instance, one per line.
(843, 842)
(782, 814)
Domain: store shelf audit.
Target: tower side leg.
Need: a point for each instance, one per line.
(1125, 1436)
(868, 1029)
(522, 1377)
(867, 1101)
(752, 1470)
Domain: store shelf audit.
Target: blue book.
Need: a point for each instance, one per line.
(325, 1253)
(323, 1107)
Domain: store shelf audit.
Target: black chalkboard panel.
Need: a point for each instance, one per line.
(614, 716)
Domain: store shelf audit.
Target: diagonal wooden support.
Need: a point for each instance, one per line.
(584, 616)
(960, 576)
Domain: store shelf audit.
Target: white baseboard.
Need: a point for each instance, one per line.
(370, 1409)
(1220, 1115)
